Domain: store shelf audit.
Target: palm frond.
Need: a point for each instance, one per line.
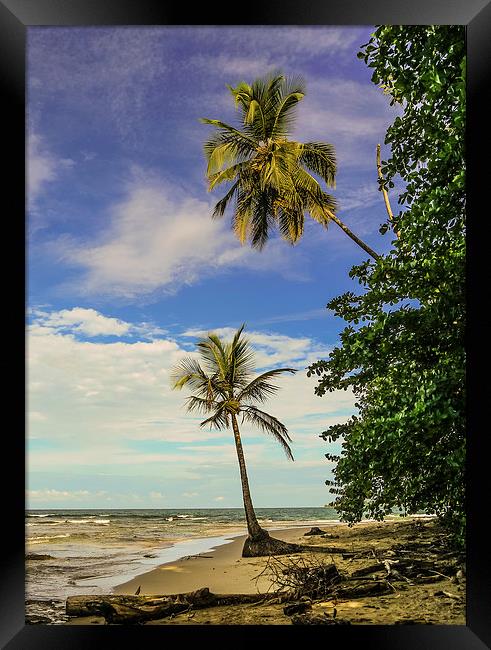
(228, 128)
(285, 115)
(292, 91)
(320, 206)
(219, 420)
(222, 155)
(226, 147)
(305, 183)
(199, 404)
(221, 206)
(227, 174)
(260, 389)
(242, 216)
(240, 359)
(320, 158)
(188, 372)
(213, 354)
(268, 424)
(263, 218)
(291, 219)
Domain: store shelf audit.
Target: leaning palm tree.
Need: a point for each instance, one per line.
(224, 388)
(270, 176)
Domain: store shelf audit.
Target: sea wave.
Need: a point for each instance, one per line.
(87, 521)
(45, 538)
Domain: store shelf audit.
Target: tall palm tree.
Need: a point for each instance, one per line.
(271, 176)
(224, 388)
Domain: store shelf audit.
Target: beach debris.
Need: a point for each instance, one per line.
(301, 576)
(298, 607)
(309, 619)
(364, 590)
(413, 621)
(138, 590)
(331, 550)
(42, 612)
(38, 620)
(315, 531)
(38, 556)
(447, 594)
(133, 609)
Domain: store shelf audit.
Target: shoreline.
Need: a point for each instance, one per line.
(221, 568)
(434, 593)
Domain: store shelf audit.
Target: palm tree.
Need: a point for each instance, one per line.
(223, 387)
(271, 176)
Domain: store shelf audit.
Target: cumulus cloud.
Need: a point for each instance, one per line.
(159, 238)
(272, 349)
(90, 322)
(85, 321)
(57, 495)
(111, 404)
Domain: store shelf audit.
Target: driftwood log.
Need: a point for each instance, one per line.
(138, 609)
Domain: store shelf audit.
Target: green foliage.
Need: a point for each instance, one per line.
(402, 352)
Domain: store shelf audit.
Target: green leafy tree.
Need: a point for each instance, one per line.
(270, 176)
(402, 352)
(223, 388)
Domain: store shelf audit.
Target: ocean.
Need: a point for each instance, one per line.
(70, 552)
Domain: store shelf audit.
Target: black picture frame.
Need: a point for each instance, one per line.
(15, 17)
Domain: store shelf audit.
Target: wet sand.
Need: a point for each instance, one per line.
(223, 570)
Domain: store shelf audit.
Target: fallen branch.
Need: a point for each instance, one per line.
(138, 609)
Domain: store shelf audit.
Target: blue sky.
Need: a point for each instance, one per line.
(126, 267)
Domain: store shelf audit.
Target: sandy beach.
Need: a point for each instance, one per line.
(437, 599)
(222, 570)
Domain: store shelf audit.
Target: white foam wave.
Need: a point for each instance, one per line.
(87, 521)
(45, 538)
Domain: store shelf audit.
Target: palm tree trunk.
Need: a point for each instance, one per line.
(259, 543)
(253, 526)
(351, 234)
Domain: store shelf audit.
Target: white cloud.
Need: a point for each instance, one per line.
(42, 166)
(156, 495)
(273, 349)
(103, 72)
(160, 239)
(90, 322)
(364, 196)
(351, 115)
(100, 401)
(36, 416)
(57, 495)
(85, 321)
(310, 314)
(253, 51)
